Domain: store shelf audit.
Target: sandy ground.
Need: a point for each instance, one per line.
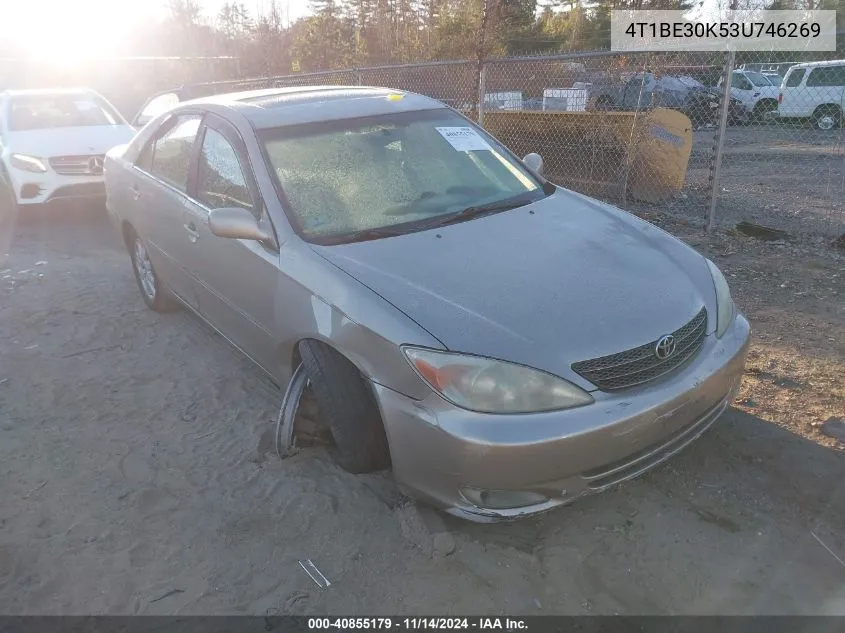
(787, 176)
(139, 478)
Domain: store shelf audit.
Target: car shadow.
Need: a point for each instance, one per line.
(67, 229)
(746, 520)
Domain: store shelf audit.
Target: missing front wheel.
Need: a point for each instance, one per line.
(298, 424)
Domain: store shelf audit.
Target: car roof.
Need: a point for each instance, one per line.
(276, 107)
(833, 62)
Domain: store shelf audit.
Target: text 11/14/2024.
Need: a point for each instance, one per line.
(418, 624)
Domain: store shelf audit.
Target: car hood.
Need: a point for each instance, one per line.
(559, 281)
(69, 141)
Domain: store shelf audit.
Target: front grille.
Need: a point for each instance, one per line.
(640, 364)
(77, 165)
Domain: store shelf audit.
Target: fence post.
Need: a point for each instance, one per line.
(716, 168)
(482, 90)
(480, 65)
(358, 77)
(632, 140)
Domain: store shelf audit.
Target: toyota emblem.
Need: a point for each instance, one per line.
(665, 347)
(95, 165)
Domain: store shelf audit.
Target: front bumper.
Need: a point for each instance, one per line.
(437, 449)
(31, 188)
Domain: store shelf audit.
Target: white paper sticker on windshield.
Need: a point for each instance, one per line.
(464, 139)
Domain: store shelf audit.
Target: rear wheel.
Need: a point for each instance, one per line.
(347, 407)
(155, 295)
(827, 117)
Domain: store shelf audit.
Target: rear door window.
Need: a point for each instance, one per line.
(793, 79)
(171, 151)
(826, 77)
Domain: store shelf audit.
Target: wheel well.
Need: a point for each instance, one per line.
(296, 360)
(767, 100)
(296, 357)
(827, 107)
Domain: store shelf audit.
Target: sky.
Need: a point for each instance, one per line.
(85, 28)
(90, 27)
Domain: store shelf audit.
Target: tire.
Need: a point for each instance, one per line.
(8, 201)
(348, 408)
(762, 108)
(604, 104)
(153, 292)
(827, 117)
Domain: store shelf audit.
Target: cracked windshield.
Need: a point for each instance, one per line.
(396, 170)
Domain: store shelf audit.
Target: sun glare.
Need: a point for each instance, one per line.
(65, 33)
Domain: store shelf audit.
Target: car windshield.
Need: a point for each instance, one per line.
(394, 174)
(40, 112)
(758, 79)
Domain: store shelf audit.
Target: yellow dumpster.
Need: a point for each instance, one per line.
(612, 154)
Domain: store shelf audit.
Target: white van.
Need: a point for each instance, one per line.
(815, 90)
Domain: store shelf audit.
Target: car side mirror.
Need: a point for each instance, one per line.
(534, 162)
(238, 223)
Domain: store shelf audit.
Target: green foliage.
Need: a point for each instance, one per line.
(347, 33)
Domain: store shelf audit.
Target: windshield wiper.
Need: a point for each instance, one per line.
(472, 212)
(412, 227)
(360, 236)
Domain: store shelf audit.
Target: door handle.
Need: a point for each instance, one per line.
(136, 194)
(193, 234)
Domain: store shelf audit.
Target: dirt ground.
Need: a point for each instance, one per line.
(139, 476)
(787, 176)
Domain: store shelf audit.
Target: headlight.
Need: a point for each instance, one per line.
(28, 163)
(724, 303)
(492, 386)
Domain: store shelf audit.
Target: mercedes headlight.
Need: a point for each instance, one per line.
(28, 163)
(724, 303)
(493, 386)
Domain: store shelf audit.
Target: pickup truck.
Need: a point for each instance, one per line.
(642, 91)
(757, 92)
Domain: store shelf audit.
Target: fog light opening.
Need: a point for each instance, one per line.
(502, 499)
(30, 190)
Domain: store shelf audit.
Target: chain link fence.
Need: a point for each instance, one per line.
(608, 125)
(783, 166)
(644, 131)
(634, 130)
